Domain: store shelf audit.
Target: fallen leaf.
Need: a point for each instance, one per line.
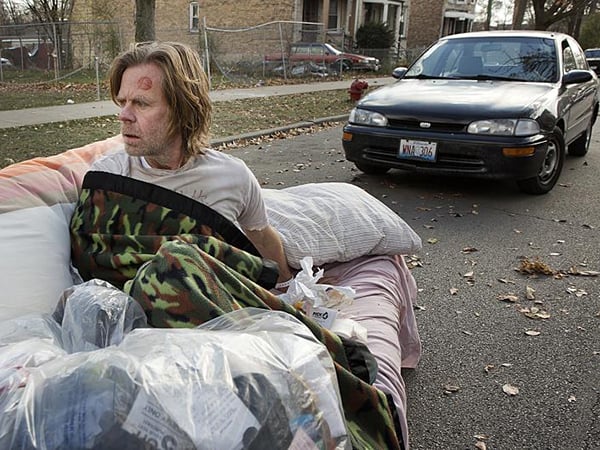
(453, 291)
(468, 333)
(532, 333)
(468, 274)
(510, 389)
(572, 399)
(469, 250)
(517, 231)
(480, 445)
(583, 273)
(530, 293)
(488, 368)
(512, 298)
(555, 254)
(481, 437)
(450, 388)
(505, 281)
(536, 266)
(506, 365)
(432, 241)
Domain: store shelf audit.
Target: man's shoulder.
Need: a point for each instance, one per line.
(117, 162)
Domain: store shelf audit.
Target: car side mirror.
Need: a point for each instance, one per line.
(399, 72)
(577, 76)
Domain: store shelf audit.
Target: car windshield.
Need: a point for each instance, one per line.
(491, 58)
(332, 49)
(595, 53)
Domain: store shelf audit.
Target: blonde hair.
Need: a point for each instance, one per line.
(185, 86)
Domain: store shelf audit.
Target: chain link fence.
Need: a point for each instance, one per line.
(246, 56)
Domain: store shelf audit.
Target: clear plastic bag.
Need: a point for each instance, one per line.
(95, 315)
(251, 379)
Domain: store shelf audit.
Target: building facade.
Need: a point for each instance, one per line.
(432, 19)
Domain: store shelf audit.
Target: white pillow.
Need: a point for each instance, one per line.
(37, 198)
(336, 222)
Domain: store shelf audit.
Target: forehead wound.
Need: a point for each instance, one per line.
(144, 83)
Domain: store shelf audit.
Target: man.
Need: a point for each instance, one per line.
(165, 119)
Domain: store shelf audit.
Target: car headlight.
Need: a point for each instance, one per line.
(505, 127)
(364, 117)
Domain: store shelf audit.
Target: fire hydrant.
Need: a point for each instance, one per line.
(357, 89)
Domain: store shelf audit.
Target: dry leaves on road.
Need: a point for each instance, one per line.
(509, 389)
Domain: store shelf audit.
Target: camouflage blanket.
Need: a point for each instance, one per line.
(185, 279)
(119, 224)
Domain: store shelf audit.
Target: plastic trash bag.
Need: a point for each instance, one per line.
(322, 302)
(17, 360)
(251, 379)
(95, 315)
(305, 290)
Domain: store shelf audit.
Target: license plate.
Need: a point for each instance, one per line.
(421, 150)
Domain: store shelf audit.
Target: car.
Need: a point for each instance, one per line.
(593, 58)
(323, 54)
(495, 104)
(5, 62)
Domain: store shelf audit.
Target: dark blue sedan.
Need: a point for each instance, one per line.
(504, 104)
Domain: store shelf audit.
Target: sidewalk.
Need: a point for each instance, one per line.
(33, 116)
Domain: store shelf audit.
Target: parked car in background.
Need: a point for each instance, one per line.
(324, 56)
(498, 104)
(5, 62)
(593, 58)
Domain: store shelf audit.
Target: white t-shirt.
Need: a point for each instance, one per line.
(215, 179)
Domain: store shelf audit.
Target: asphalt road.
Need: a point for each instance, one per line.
(475, 234)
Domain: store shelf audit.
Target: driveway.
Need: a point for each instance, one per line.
(511, 360)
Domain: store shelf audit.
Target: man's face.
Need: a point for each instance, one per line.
(144, 117)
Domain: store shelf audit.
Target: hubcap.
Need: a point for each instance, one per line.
(550, 162)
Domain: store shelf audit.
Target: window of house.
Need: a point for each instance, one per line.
(194, 17)
(332, 22)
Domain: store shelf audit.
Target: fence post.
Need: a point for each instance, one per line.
(282, 52)
(97, 66)
(207, 53)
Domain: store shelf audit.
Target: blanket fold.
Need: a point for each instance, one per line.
(119, 223)
(183, 279)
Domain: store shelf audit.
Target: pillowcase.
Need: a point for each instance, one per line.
(336, 222)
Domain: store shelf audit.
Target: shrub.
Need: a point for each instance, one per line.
(374, 35)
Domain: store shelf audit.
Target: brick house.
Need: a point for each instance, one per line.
(182, 19)
(432, 19)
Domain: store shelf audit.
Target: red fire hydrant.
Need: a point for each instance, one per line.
(357, 89)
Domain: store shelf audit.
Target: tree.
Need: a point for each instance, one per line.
(145, 11)
(590, 32)
(566, 15)
(55, 15)
(519, 13)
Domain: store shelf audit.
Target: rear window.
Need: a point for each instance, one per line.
(592, 53)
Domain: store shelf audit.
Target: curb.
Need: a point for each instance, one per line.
(272, 131)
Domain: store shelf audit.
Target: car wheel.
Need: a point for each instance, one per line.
(551, 167)
(371, 169)
(579, 147)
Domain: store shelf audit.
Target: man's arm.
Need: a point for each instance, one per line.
(268, 243)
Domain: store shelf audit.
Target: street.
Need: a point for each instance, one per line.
(511, 360)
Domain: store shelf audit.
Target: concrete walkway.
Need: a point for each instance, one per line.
(33, 116)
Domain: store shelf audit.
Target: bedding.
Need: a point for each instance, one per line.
(37, 200)
(336, 222)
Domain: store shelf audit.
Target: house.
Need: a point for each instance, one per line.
(334, 21)
(432, 19)
(182, 20)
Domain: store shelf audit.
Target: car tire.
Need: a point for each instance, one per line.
(371, 169)
(551, 167)
(579, 147)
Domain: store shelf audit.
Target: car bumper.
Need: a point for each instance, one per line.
(374, 66)
(456, 154)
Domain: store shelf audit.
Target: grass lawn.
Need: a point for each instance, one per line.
(230, 118)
